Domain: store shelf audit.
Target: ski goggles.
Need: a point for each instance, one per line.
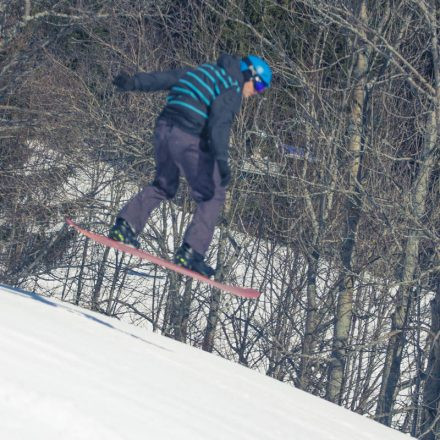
(259, 84)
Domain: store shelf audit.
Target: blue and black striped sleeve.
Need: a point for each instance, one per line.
(155, 81)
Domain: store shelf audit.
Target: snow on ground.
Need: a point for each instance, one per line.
(68, 373)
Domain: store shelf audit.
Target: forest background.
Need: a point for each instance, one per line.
(332, 211)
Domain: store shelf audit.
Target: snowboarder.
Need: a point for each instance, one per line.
(192, 138)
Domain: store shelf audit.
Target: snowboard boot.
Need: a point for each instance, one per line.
(192, 260)
(121, 231)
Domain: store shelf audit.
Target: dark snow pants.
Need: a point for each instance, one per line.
(178, 152)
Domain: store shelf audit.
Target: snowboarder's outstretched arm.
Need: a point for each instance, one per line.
(148, 82)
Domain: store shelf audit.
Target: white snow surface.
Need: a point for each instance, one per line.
(68, 373)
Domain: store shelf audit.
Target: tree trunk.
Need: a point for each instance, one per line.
(391, 371)
(215, 301)
(216, 296)
(81, 272)
(181, 320)
(112, 300)
(172, 306)
(100, 278)
(353, 210)
(310, 340)
(212, 320)
(430, 422)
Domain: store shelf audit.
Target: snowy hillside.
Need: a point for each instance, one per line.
(68, 373)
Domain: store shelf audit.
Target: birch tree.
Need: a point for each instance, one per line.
(353, 207)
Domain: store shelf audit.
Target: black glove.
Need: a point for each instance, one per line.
(225, 172)
(124, 82)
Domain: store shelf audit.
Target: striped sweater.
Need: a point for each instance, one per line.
(201, 100)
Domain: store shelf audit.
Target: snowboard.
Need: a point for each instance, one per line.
(243, 292)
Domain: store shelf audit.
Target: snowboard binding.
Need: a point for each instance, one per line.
(121, 231)
(192, 260)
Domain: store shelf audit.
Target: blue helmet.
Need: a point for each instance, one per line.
(258, 67)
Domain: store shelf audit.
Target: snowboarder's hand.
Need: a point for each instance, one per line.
(225, 172)
(124, 82)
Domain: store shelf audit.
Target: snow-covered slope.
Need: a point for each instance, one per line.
(68, 373)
